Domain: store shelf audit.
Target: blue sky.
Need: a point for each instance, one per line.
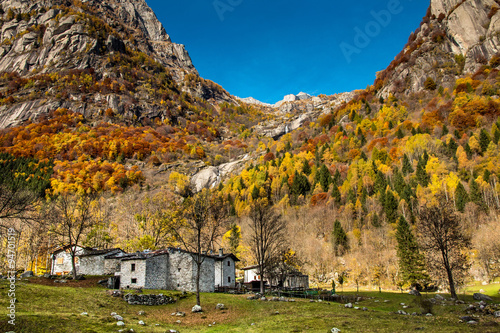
(268, 49)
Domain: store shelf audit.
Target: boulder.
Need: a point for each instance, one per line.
(27, 274)
(141, 313)
(103, 283)
(84, 314)
(220, 306)
(196, 309)
(349, 305)
(335, 330)
(439, 298)
(120, 323)
(118, 317)
(415, 292)
(497, 314)
(141, 323)
(180, 314)
(481, 297)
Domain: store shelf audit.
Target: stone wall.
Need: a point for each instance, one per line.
(92, 265)
(134, 299)
(126, 274)
(111, 266)
(182, 273)
(157, 272)
(225, 275)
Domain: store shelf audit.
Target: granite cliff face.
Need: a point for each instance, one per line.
(101, 38)
(455, 37)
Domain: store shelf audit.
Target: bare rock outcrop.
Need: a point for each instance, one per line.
(456, 37)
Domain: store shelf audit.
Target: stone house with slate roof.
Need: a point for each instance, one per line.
(100, 262)
(175, 269)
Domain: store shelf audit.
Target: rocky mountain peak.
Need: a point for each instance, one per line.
(455, 37)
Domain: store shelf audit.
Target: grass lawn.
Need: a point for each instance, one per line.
(44, 307)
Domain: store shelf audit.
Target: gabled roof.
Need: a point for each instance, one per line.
(65, 247)
(143, 255)
(250, 267)
(229, 255)
(101, 252)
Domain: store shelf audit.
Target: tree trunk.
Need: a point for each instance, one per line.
(262, 284)
(74, 265)
(198, 270)
(450, 275)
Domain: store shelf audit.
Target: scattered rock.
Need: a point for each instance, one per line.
(481, 297)
(103, 282)
(220, 306)
(115, 293)
(276, 313)
(401, 312)
(80, 278)
(439, 298)
(429, 315)
(113, 314)
(472, 322)
(349, 305)
(27, 274)
(180, 314)
(84, 314)
(141, 323)
(263, 298)
(357, 308)
(120, 323)
(406, 307)
(415, 292)
(196, 309)
(178, 322)
(251, 298)
(481, 291)
(141, 313)
(282, 299)
(171, 331)
(365, 309)
(118, 317)
(335, 330)
(497, 314)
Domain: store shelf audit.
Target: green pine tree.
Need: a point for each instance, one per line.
(476, 196)
(340, 240)
(411, 261)
(422, 176)
(484, 140)
(324, 178)
(391, 207)
(306, 168)
(407, 166)
(461, 197)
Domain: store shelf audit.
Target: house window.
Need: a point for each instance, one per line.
(60, 261)
(229, 279)
(132, 268)
(255, 277)
(134, 281)
(229, 263)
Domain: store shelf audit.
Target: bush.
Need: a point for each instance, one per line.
(429, 84)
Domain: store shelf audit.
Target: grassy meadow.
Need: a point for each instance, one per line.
(44, 306)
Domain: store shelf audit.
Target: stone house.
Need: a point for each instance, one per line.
(171, 269)
(100, 262)
(251, 274)
(61, 259)
(225, 272)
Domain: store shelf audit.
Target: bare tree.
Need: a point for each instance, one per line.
(204, 221)
(441, 234)
(70, 216)
(267, 235)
